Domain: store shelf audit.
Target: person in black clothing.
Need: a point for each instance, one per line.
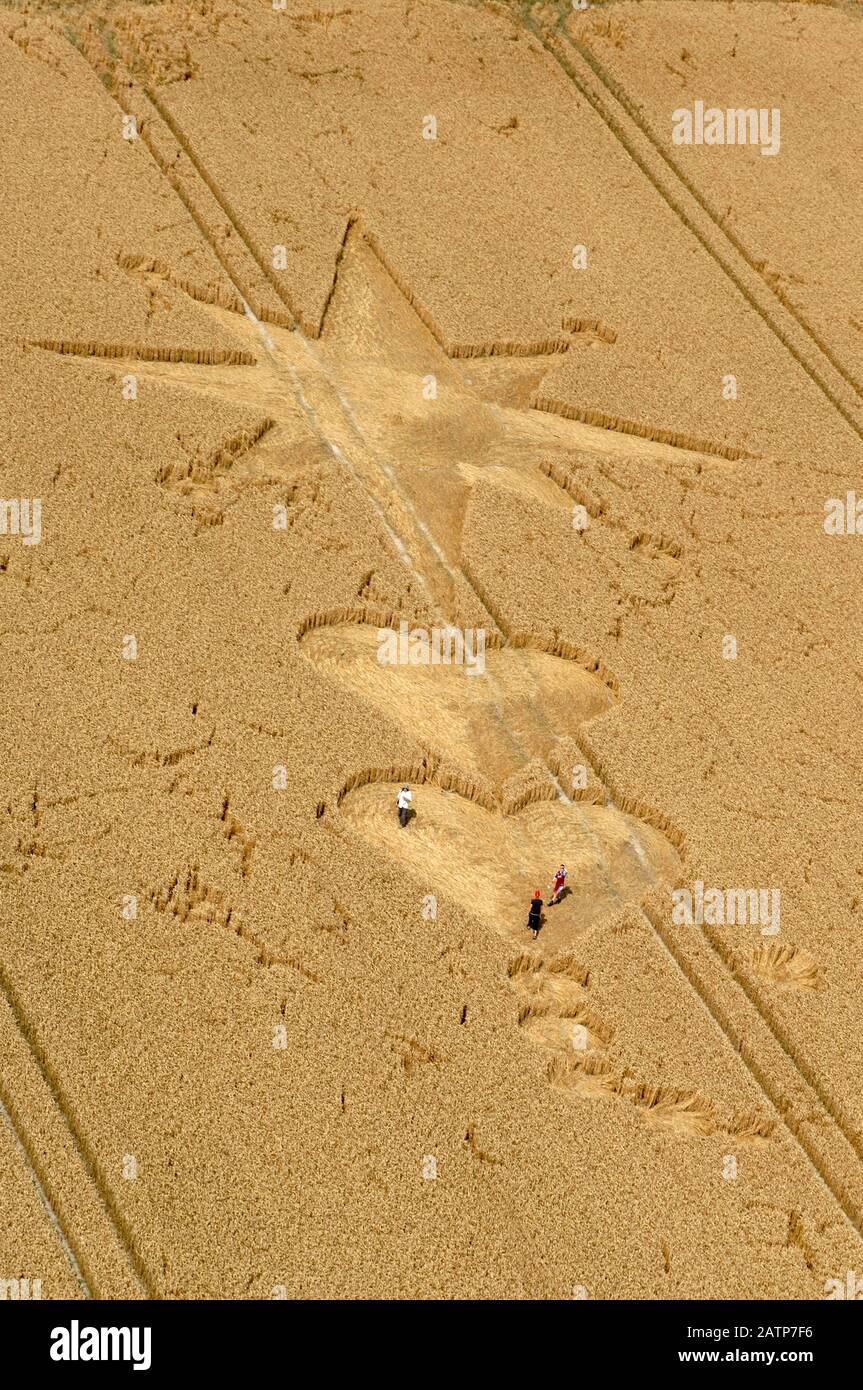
(534, 920)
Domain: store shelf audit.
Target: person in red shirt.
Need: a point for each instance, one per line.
(558, 886)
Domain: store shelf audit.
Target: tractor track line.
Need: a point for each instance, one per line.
(553, 46)
(137, 1267)
(619, 134)
(53, 1218)
(762, 1076)
(623, 99)
(187, 148)
(852, 1209)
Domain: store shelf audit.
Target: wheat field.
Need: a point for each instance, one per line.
(326, 326)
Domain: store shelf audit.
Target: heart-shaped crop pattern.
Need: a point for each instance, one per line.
(489, 714)
(497, 806)
(492, 862)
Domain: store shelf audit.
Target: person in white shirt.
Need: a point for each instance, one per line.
(404, 804)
